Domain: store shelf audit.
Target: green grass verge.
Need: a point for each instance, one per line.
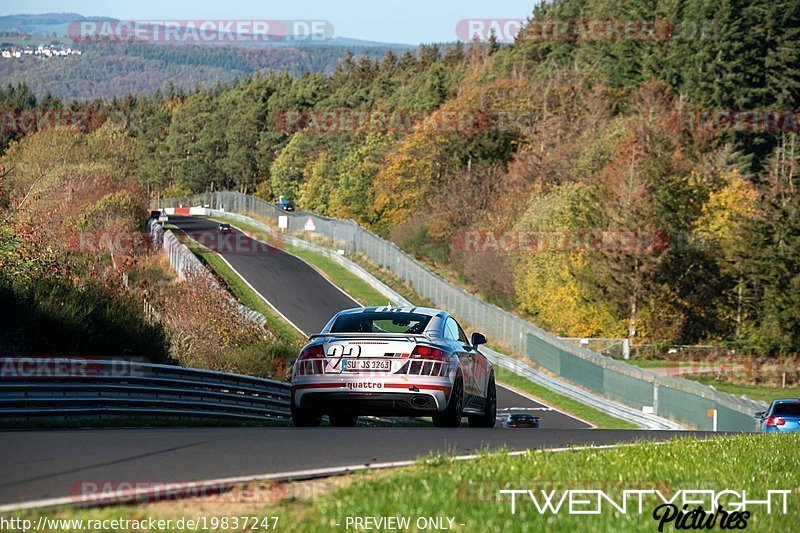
(467, 491)
(343, 278)
(401, 287)
(563, 403)
(652, 363)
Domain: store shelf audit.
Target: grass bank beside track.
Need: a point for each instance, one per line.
(562, 403)
(696, 371)
(363, 292)
(467, 491)
(754, 392)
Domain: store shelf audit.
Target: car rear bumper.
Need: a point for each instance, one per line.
(374, 397)
(372, 404)
(780, 429)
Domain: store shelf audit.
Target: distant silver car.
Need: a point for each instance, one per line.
(393, 361)
(521, 420)
(224, 227)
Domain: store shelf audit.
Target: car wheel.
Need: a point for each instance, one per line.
(452, 414)
(343, 420)
(489, 417)
(305, 419)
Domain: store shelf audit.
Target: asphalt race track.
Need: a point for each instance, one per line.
(49, 463)
(306, 298)
(42, 464)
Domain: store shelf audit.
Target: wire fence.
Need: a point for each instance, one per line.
(677, 398)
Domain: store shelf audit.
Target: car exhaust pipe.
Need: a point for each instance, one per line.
(419, 401)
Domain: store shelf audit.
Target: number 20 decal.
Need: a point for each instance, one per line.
(340, 351)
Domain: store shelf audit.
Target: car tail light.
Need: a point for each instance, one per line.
(312, 352)
(428, 352)
(775, 421)
(311, 361)
(427, 361)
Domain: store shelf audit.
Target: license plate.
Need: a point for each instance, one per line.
(365, 364)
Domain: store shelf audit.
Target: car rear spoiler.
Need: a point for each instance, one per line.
(410, 336)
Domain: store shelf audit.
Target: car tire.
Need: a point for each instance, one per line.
(343, 420)
(489, 417)
(452, 414)
(305, 419)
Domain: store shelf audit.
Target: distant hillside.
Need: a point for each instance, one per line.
(106, 70)
(57, 24)
(42, 24)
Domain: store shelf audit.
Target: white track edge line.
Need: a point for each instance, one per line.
(524, 394)
(297, 475)
(313, 267)
(303, 333)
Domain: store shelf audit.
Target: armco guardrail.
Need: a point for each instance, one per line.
(600, 403)
(58, 388)
(682, 400)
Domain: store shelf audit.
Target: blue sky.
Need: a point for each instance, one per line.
(400, 21)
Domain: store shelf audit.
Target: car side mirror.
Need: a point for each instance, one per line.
(759, 414)
(477, 339)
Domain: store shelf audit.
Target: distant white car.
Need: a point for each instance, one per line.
(393, 361)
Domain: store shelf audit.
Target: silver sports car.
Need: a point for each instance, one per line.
(393, 361)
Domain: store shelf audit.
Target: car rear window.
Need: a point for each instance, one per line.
(522, 418)
(381, 322)
(786, 409)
